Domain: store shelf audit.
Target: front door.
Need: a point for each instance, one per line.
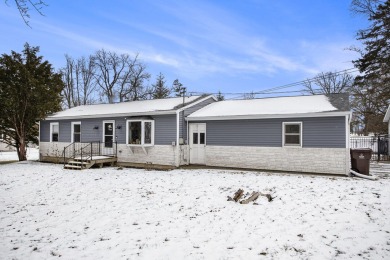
(197, 143)
(108, 133)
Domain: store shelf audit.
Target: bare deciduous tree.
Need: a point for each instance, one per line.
(25, 6)
(137, 89)
(79, 84)
(68, 79)
(329, 83)
(86, 78)
(365, 7)
(110, 67)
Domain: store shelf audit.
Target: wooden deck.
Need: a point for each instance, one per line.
(79, 163)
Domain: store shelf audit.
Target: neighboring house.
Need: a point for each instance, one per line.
(300, 134)
(4, 147)
(297, 134)
(145, 132)
(387, 119)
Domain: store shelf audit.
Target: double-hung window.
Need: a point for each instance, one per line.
(140, 132)
(292, 134)
(76, 132)
(54, 132)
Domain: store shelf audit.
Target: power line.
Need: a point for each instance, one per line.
(273, 89)
(337, 73)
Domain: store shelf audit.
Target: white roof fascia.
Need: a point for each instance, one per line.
(197, 102)
(387, 115)
(113, 115)
(238, 117)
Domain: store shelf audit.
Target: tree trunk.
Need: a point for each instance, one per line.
(22, 151)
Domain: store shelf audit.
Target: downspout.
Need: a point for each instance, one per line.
(177, 156)
(347, 143)
(188, 143)
(39, 139)
(368, 177)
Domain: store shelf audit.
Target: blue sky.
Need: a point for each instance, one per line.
(231, 46)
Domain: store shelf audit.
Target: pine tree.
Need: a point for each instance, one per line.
(29, 91)
(374, 65)
(178, 88)
(220, 97)
(159, 88)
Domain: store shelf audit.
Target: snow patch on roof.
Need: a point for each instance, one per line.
(267, 106)
(133, 107)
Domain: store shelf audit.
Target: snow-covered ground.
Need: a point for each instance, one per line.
(32, 155)
(47, 212)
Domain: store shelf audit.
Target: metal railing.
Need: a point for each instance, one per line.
(87, 151)
(379, 145)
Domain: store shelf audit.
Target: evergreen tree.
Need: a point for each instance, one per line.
(178, 88)
(220, 97)
(29, 91)
(159, 88)
(374, 64)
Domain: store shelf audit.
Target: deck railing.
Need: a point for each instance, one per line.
(87, 151)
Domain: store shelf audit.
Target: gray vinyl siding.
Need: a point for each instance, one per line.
(327, 132)
(321, 132)
(64, 131)
(165, 129)
(44, 131)
(189, 111)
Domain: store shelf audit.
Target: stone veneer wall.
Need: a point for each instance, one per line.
(55, 149)
(310, 160)
(157, 154)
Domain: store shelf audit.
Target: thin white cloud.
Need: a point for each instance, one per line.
(206, 39)
(328, 56)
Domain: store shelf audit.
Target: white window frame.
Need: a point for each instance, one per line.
(143, 121)
(51, 131)
(72, 130)
(284, 134)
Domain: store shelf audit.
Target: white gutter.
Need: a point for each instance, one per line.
(265, 116)
(128, 114)
(150, 113)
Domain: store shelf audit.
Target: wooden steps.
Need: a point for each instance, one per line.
(79, 164)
